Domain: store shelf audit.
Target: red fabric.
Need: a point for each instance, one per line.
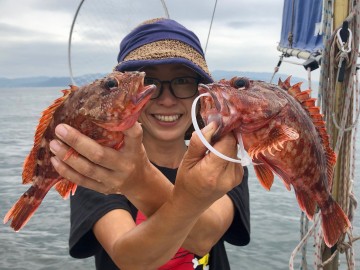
(182, 259)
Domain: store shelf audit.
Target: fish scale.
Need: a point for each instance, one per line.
(119, 94)
(286, 136)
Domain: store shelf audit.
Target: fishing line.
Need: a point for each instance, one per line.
(96, 31)
(244, 160)
(211, 22)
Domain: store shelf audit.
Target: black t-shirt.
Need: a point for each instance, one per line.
(88, 206)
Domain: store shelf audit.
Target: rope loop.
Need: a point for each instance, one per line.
(342, 44)
(343, 247)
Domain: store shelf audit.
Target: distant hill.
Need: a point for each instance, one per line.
(34, 82)
(264, 76)
(44, 81)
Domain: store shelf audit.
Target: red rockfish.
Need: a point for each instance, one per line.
(100, 110)
(284, 133)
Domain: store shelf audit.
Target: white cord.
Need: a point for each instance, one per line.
(244, 160)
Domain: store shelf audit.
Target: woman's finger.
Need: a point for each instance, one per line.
(227, 145)
(87, 147)
(133, 138)
(197, 149)
(78, 163)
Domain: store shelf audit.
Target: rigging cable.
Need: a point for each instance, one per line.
(212, 19)
(165, 9)
(276, 69)
(69, 43)
(94, 35)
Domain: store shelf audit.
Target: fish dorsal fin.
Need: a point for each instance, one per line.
(286, 84)
(30, 162)
(308, 103)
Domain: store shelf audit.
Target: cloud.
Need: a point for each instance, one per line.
(25, 59)
(64, 6)
(244, 34)
(12, 33)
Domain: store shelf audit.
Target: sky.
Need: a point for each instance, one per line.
(34, 34)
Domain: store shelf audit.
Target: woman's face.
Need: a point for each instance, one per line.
(167, 118)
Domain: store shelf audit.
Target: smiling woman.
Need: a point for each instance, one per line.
(33, 43)
(201, 200)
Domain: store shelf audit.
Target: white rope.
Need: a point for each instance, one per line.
(304, 228)
(354, 124)
(345, 49)
(244, 158)
(302, 242)
(318, 239)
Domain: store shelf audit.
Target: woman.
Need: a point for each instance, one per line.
(157, 222)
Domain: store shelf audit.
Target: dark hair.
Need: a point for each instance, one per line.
(191, 129)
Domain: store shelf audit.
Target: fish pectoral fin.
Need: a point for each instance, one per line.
(264, 174)
(115, 144)
(71, 152)
(65, 187)
(274, 141)
(280, 134)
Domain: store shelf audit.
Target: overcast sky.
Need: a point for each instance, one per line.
(34, 34)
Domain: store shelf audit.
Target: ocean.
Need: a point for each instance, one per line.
(43, 243)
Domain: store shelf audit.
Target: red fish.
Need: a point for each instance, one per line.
(100, 110)
(284, 133)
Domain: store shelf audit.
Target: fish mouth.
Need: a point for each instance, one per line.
(144, 95)
(212, 110)
(203, 89)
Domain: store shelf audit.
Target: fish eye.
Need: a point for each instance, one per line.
(111, 83)
(240, 82)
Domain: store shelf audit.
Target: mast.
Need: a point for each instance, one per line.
(334, 45)
(341, 12)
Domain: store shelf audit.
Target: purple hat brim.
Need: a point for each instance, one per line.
(132, 65)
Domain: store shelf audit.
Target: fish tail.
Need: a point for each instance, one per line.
(25, 207)
(334, 223)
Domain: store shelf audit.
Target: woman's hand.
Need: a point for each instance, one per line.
(203, 178)
(100, 168)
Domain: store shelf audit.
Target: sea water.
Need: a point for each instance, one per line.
(43, 242)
